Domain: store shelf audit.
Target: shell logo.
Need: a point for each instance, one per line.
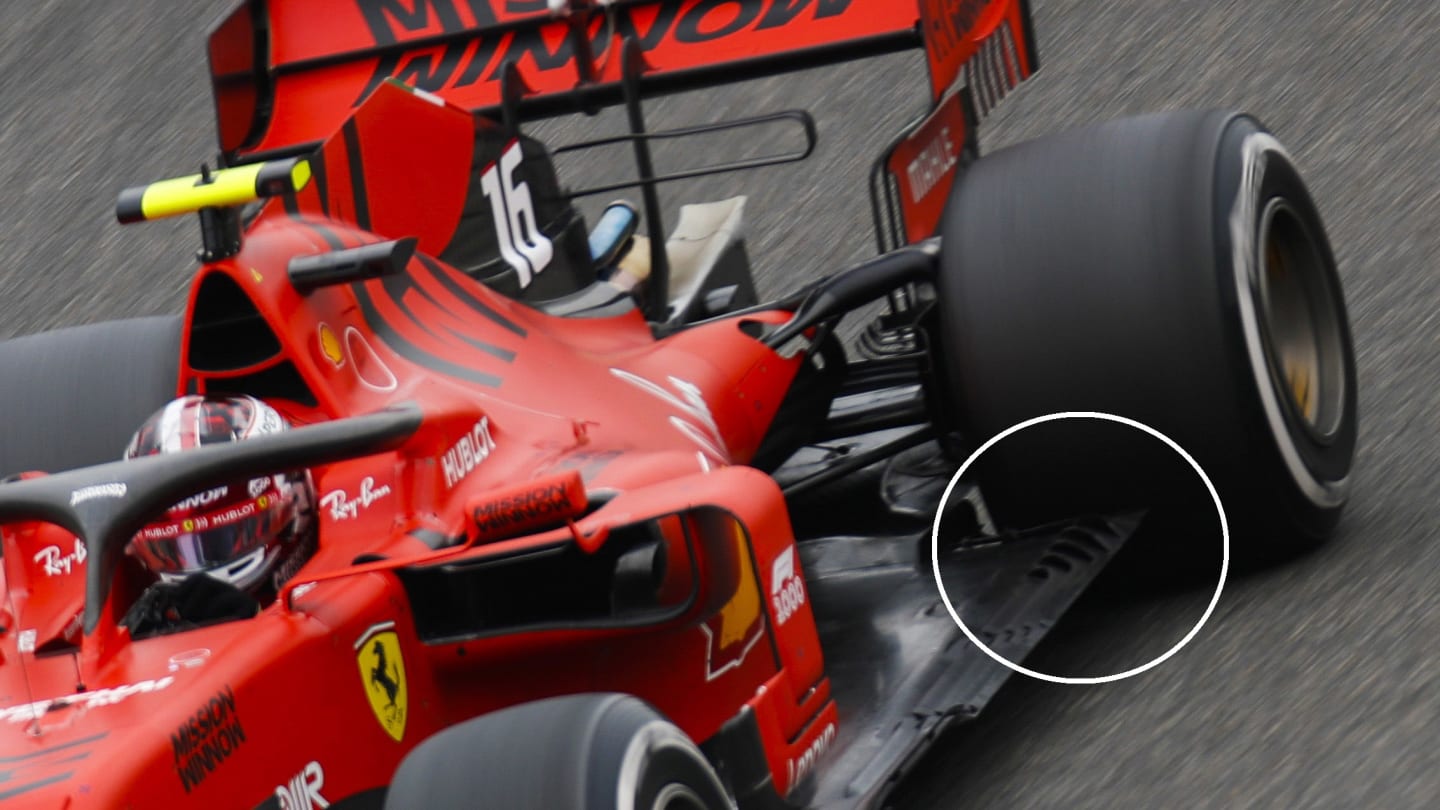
(354, 350)
(330, 346)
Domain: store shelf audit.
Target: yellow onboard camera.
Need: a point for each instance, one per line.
(215, 196)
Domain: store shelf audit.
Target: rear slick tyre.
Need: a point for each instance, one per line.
(1172, 269)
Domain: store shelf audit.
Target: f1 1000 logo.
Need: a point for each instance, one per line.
(787, 590)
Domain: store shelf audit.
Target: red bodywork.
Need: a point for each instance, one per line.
(321, 695)
(226, 715)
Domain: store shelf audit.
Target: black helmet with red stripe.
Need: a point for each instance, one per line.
(252, 534)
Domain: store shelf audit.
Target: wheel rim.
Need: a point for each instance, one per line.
(1303, 337)
(678, 797)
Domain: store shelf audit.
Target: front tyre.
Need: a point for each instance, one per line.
(72, 397)
(1172, 269)
(579, 752)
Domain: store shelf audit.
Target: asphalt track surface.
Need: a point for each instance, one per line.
(1312, 686)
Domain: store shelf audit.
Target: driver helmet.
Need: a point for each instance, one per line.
(250, 534)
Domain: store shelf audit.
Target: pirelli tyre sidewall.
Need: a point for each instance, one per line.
(1262, 201)
(578, 752)
(1172, 269)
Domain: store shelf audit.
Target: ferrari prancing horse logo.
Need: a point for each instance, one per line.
(382, 673)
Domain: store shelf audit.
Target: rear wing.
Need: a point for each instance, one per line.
(287, 73)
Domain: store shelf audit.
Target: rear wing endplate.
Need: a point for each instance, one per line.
(978, 52)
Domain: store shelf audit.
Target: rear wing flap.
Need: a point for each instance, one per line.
(287, 73)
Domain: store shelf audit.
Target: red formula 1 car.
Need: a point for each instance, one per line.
(560, 471)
